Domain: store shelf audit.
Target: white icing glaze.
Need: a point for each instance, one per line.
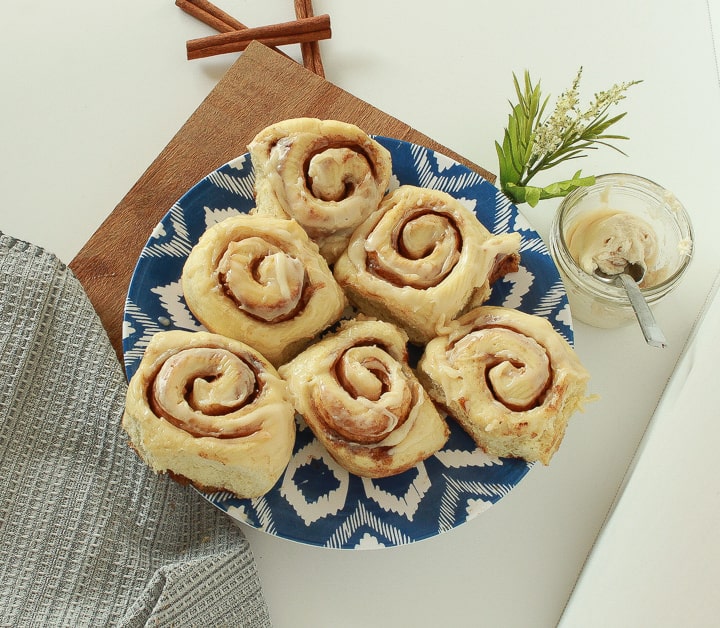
(608, 239)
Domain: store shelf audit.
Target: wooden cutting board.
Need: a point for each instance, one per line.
(260, 88)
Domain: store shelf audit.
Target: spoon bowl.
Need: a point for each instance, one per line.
(634, 270)
(630, 278)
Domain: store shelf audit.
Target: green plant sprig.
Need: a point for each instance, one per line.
(532, 144)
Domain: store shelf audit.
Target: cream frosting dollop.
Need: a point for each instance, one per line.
(609, 239)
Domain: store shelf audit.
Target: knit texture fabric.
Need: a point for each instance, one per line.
(89, 536)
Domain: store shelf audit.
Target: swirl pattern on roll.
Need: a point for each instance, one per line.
(508, 378)
(363, 402)
(326, 174)
(420, 259)
(259, 279)
(211, 411)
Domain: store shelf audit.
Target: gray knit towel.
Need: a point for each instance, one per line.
(88, 535)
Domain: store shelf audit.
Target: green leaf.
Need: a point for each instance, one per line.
(533, 195)
(505, 173)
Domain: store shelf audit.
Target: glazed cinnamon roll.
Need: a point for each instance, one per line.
(327, 175)
(508, 378)
(363, 402)
(259, 279)
(210, 411)
(420, 259)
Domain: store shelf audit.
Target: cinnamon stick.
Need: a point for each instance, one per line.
(310, 49)
(214, 17)
(211, 15)
(295, 32)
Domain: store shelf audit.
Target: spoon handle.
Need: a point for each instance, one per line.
(650, 329)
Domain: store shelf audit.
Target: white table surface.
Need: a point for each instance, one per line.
(676, 507)
(92, 91)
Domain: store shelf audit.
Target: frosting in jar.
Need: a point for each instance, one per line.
(609, 239)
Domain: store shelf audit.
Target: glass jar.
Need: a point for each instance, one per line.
(592, 300)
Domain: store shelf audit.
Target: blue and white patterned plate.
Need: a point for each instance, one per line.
(317, 502)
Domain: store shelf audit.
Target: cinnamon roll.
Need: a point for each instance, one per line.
(363, 402)
(420, 259)
(211, 411)
(508, 378)
(326, 174)
(259, 279)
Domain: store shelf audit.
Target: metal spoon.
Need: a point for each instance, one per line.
(629, 278)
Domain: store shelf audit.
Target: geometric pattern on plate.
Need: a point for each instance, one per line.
(315, 501)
